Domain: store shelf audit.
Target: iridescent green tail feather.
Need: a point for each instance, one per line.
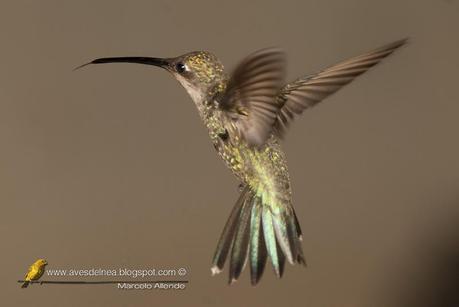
(255, 231)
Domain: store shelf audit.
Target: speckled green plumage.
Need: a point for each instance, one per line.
(264, 169)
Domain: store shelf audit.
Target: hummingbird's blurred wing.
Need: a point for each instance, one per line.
(307, 91)
(250, 98)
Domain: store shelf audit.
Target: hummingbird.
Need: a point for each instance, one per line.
(247, 114)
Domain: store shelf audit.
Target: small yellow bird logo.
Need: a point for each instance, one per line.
(36, 270)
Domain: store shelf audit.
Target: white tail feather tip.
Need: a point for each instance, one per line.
(215, 270)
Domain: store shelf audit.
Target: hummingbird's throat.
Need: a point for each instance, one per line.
(196, 94)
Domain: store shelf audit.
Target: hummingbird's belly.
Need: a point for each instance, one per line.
(264, 170)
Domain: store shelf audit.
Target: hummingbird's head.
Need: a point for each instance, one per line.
(199, 72)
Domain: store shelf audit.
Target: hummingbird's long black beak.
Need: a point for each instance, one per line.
(164, 63)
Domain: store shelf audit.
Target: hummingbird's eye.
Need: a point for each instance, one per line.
(180, 67)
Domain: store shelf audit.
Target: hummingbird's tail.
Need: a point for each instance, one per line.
(25, 284)
(255, 231)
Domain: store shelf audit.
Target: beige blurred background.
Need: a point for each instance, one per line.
(110, 166)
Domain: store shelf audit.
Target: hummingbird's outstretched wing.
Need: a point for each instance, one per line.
(307, 91)
(250, 97)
